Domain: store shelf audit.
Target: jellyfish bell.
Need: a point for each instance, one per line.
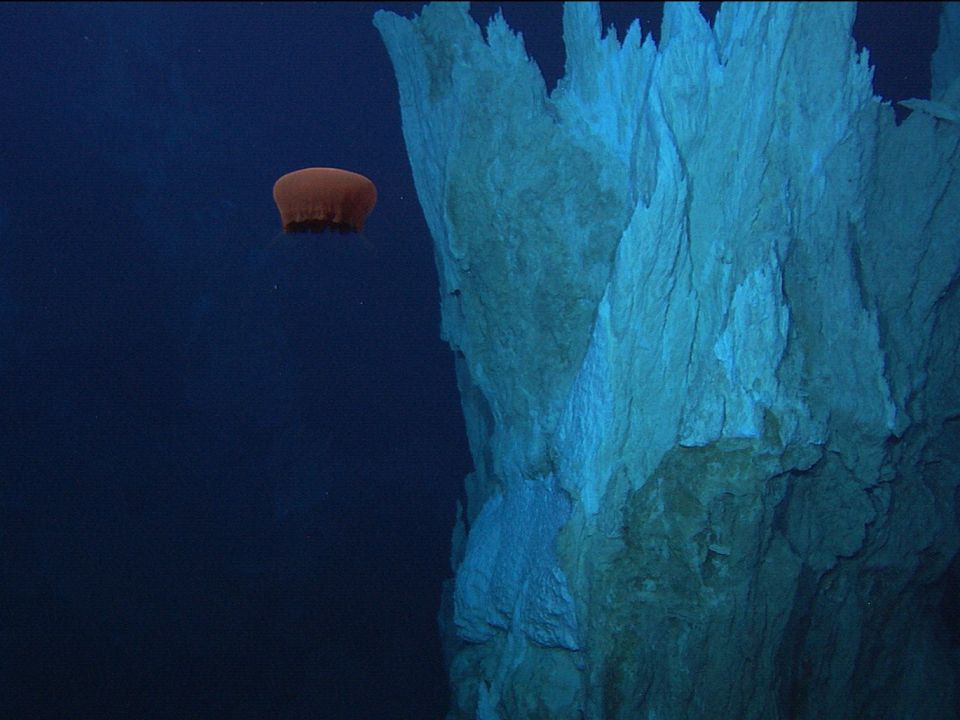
(317, 199)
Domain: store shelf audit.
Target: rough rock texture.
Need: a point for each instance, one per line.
(704, 298)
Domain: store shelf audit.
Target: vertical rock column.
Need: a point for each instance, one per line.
(704, 302)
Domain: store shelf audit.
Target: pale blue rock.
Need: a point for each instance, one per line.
(704, 297)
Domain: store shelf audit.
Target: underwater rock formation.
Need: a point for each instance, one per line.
(704, 298)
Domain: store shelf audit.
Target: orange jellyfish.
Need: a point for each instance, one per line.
(314, 199)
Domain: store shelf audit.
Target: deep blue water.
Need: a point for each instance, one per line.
(229, 458)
